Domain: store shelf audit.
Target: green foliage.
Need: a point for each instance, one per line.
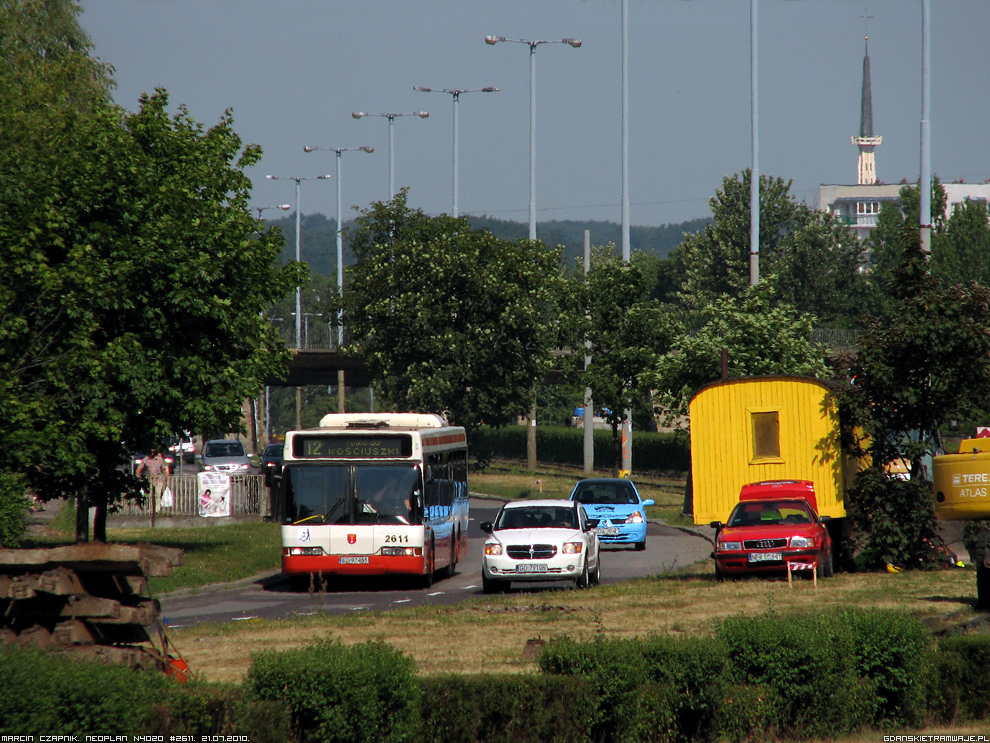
(927, 361)
(812, 255)
(962, 253)
(434, 307)
(50, 693)
(809, 662)
(894, 652)
(652, 452)
(520, 708)
(893, 521)
(624, 332)
(962, 684)
(13, 508)
(761, 337)
(337, 694)
(136, 263)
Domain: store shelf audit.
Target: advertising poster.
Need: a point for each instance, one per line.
(214, 493)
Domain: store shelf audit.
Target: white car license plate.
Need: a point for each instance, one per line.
(766, 556)
(608, 531)
(534, 567)
(361, 560)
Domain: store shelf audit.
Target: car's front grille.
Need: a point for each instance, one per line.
(531, 551)
(764, 544)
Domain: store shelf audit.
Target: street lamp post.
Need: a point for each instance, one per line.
(532, 44)
(298, 180)
(261, 209)
(340, 235)
(340, 259)
(455, 93)
(391, 149)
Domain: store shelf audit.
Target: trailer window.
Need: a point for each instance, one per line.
(766, 435)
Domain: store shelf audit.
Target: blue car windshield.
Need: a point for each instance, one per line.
(616, 494)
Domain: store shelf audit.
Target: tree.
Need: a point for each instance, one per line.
(448, 319)
(812, 254)
(962, 253)
(922, 364)
(626, 331)
(760, 336)
(135, 309)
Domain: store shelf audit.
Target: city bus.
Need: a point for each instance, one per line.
(373, 494)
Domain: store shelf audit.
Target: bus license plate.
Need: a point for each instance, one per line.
(536, 567)
(766, 556)
(608, 531)
(361, 560)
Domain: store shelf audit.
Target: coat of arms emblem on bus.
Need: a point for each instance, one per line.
(352, 538)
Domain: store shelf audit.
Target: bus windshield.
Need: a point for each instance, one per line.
(349, 494)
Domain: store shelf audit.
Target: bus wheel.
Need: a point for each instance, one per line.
(427, 580)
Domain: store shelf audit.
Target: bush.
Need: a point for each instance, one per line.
(51, 693)
(520, 708)
(652, 452)
(962, 684)
(614, 671)
(895, 652)
(337, 694)
(808, 662)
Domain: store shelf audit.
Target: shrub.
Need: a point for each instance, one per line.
(613, 669)
(748, 712)
(520, 708)
(341, 694)
(962, 682)
(697, 670)
(895, 652)
(53, 693)
(654, 452)
(808, 662)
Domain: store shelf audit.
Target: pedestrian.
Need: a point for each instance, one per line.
(155, 468)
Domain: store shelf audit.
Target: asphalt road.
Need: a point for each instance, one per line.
(270, 597)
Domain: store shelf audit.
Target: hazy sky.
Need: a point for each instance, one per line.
(292, 71)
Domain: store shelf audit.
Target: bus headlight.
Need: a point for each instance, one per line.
(401, 551)
(310, 551)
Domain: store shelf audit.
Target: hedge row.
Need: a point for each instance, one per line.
(757, 679)
(44, 693)
(652, 452)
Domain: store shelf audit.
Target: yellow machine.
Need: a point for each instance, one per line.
(961, 482)
(961, 486)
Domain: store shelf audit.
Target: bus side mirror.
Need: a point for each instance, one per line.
(417, 498)
(428, 474)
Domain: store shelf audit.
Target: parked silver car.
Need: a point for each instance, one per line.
(225, 455)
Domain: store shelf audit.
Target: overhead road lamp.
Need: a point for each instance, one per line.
(261, 209)
(391, 149)
(298, 180)
(532, 44)
(455, 93)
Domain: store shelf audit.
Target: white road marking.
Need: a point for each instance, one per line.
(402, 601)
(435, 593)
(241, 619)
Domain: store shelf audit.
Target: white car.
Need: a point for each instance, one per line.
(539, 540)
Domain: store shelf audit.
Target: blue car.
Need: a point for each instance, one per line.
(616, 505)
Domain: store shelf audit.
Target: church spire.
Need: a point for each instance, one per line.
(866, 166)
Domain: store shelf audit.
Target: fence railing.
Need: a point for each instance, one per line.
(249, 496)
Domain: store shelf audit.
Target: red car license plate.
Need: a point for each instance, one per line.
(766, 556)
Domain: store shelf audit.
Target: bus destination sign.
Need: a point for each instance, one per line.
(315, 446)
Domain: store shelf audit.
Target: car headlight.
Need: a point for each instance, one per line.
(573, 548)
(493, 549)
(801, 542)
(636, 518)
(728, 546)
(207, 467)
